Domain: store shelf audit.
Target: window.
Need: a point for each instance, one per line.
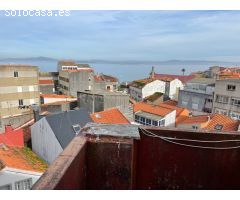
(20, 102)
(235, 116)
(222, 99)
(231, 87)
(31, 88)
(148, 122)
(15, 74)
(235, 101)
(154, 123)
(136, 118)
(19, 89)
(6, 187)
(76, 128)
(23, 185)
(162, 122)
(195, 127)
(142, 119)
(194, 106)
(209, 100)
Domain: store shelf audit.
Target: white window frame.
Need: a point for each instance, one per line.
(25, 184)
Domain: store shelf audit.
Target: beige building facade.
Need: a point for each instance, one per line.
(227, 98)
(19, 88)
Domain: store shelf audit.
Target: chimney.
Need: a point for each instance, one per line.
(36, 112)
(152, 74)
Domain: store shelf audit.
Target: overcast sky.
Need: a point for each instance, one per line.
(124, 35)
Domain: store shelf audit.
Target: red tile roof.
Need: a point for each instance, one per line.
(103, 77)
(153, 109)
(212, 121)
(228, 123)
(111, 116)
(184, 79)
(196, 119)
(46, 82)
(181, 113)
(21, 158)
(12, 137)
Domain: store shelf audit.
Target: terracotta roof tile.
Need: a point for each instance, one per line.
(46, 82)
(228, 123)
(181, 113)
(195, 120)
(212, 121)
(111, 116)
(21, 158)
(153, 109)
(184, 79)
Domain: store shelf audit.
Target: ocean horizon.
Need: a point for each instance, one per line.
(124, 72)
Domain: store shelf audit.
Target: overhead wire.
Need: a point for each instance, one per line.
(171, 140)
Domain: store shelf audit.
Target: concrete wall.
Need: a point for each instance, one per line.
(9, 176)
(102, 102)
(77, 81)
(221, 89)
(12, 89)
(17, 120)
(193, 100)
(135, 93)
(80, 81)
(47, 89)
(44, 142)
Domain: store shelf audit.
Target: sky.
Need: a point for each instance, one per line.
(124, 35)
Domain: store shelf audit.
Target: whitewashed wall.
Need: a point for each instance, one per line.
(44, 142)
(170, 119)
(151, 88)
(53, 100)
(174, 86)
(9, 176)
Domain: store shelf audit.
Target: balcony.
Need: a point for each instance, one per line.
(127, 157)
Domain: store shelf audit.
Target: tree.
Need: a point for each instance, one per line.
(183, 71)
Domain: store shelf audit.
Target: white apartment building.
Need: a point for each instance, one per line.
(142, 88)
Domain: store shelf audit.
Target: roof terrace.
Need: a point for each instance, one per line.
(130, 157)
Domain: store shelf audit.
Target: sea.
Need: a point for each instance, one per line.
(125, 72)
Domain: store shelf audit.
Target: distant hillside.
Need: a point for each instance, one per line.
(125, 62)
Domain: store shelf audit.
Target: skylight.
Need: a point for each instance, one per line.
(218, 127)
(76, 128)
